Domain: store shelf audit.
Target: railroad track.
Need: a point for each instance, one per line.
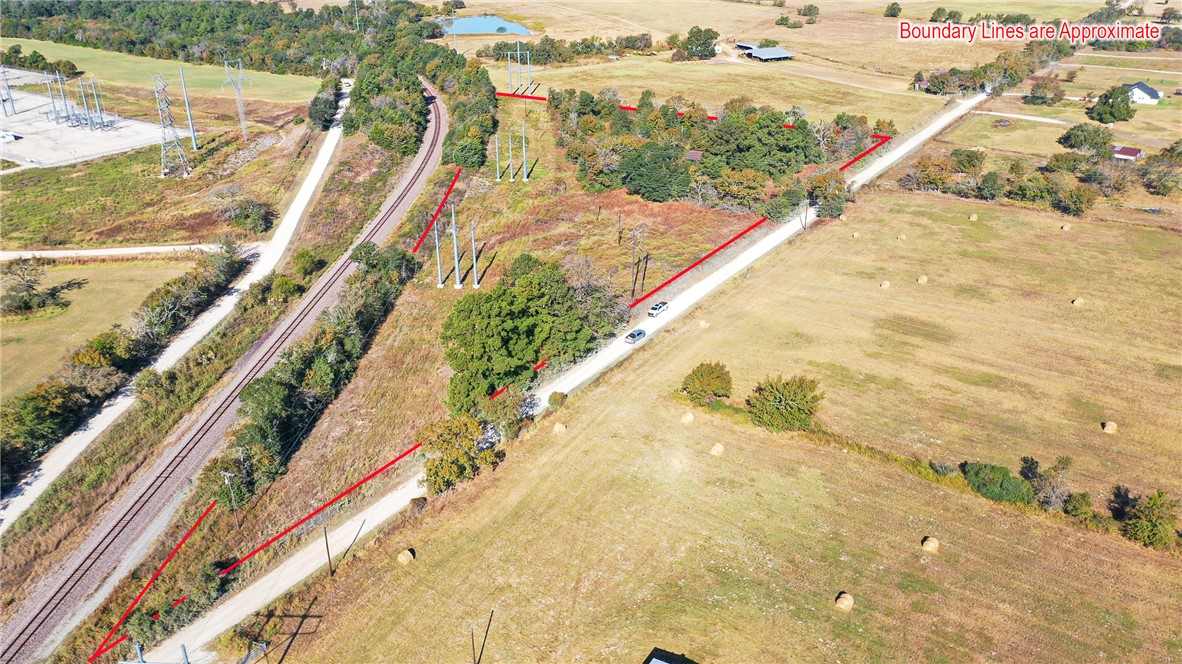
(21, 646)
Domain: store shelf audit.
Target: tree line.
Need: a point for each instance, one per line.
(549, 50)
(33, 422)
(1070, 182)
(34, 61)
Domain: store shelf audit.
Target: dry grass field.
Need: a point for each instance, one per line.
(712, 84)
(623, 533)
(32, 348)
(121, 200)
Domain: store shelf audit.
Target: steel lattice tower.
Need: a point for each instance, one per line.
(172, 155)
(237, 83)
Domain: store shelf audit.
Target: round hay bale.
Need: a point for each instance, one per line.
(844, 602)
(687, 417)
(717, 449)
(856, 235)
(1078, 301)
(930, 544)
(902, 237)
(923, 279)
(703, 324)
(1108, 427)
(406, 557)
(841, 217)
(1066, 227)
(559, 427)
(973, 217)
(885, 284)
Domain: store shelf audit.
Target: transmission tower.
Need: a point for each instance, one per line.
(172, 155)
(236, 83)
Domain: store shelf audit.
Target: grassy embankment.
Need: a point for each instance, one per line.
(121, 69)
(623, 533)
(42, 343)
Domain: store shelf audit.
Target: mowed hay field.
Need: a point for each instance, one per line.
(33, 348)
(201, 79)
(623, 533)
(712, 84)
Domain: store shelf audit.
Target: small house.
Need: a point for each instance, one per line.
(693, 155)
(1127, 154)
(1143, 94)
(770, 54)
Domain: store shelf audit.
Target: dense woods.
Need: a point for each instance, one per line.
(749, 162)
(548, 49)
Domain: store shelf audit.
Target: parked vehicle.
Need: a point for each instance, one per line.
(634, 336)
(657, 309)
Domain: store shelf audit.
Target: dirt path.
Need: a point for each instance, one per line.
(1032, 118)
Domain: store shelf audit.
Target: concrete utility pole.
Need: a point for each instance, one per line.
(511, 170)
(509, 66)
(529, 74)
(52, 101)
(188, 111)
(498, 142)
(455, 246)
(438, 257)
(524, 155)
(475, 267)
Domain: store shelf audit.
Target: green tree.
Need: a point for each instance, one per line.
(1045, 92)
(779, 404)
(708, 381)
(991, 186)
(1088, 137)
(893, 10)
(997, 483)
(968, 161)
(306, 262)
(505, 413)
(767, 42)
(1115, 105)
(1076, 200)
(453, 451)
(1162, 172)
(741, 188)
(1079, 505)
(656, 171)
(811, 11)
(1152, 521)
(699, 43)
(939, 16)
(1169, 15)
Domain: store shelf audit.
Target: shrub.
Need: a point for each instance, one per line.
(254, 216)
(1152, 521)
(1079, 505)
(777, 404)
(996, 483)
(297, 120)
(893, 10)
(707, 382)
(306, 263)
(942, 469)
(556, 399)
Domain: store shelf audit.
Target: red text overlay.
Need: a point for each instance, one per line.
(992, 31)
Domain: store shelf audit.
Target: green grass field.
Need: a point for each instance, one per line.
(35, 348)
(132, 70)
(1021, 136)
(622, 533)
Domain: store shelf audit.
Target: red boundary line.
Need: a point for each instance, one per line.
(714, 118)
(104, 646)
(537, 367)
(510, 94)
(183, 598)
(459, 169)
(882, 140)
(323, 507)
(698, 262)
